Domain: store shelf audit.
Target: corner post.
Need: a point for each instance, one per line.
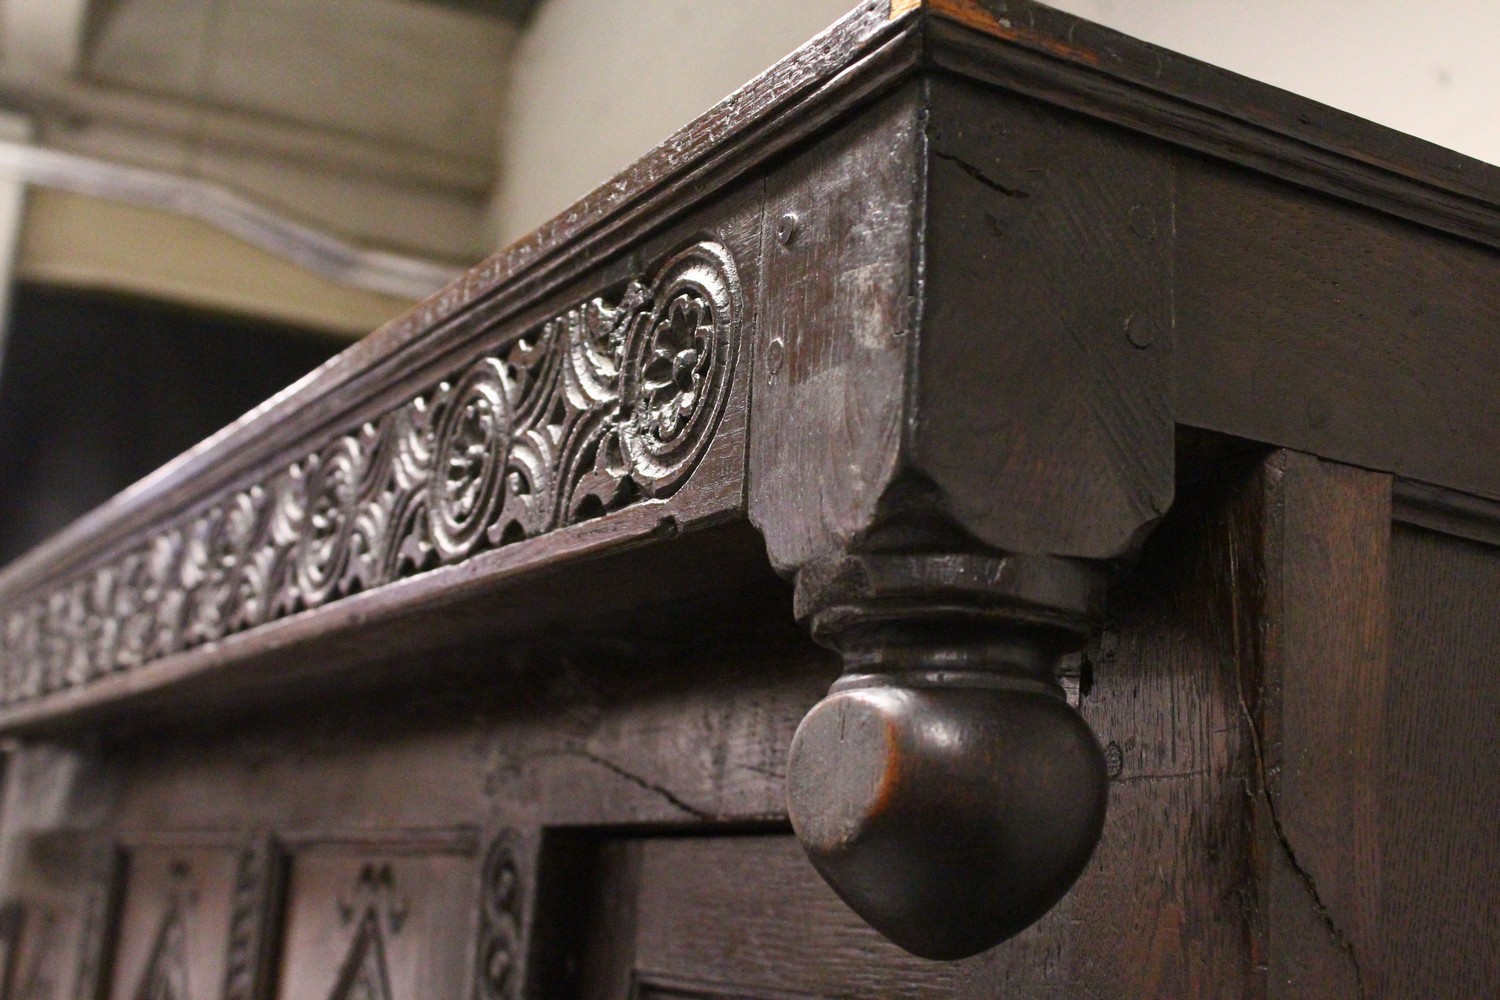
(961, 426)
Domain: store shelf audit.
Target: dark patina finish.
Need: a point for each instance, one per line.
(1124, 427)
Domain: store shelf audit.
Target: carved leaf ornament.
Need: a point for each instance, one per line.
(613, 401)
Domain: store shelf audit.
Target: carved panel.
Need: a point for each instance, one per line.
(377, 925)
(609, 402)
(376, 909)
(174, 923)
(166, 973)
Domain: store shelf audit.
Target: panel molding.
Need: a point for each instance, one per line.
(1446, 511)
(254, 920)
(99, 935)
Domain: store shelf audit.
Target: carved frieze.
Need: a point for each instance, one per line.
(612, 401)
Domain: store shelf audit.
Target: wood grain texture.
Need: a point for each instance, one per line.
(926, 287)
(1033, 49)
(744, 916)
(832, 354)
(861, 55)
(1026, 49)
(1439, 779)
(1321, 641)
(1166, 907)
(930, 282)
(1325, 328)
(960, 338)
(1045, 327)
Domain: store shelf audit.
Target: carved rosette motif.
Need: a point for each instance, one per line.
(613, 401)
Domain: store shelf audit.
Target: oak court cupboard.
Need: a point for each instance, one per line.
(993, 509)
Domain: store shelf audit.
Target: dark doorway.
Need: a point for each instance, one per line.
(96, 390)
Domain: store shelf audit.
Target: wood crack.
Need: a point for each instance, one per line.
(1305, 877)
(980, 175)
(650, 786)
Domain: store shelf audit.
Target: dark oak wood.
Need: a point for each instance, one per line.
(1438, 909)
(1316, 630)
(1384, 331)
(1166, 908)
(1111, 433)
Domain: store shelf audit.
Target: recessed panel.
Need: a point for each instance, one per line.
(377, 926)
(731, 917)
(174, 927)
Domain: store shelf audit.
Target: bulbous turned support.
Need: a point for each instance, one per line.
(944, 788)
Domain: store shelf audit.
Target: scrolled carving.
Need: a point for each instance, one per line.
(499, 923)
(613, 400)
(473, 442)
(329, 482)
(249, 958)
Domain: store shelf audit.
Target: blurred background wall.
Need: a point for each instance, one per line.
(239, 187)
(578, 108)
(1430, 68)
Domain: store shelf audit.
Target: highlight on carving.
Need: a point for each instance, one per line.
(601, 406)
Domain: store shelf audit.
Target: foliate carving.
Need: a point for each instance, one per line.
(499, 923)
(682, 367)
(614, 400)
(473, 443)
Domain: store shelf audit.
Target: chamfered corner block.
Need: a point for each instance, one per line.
(962, 422)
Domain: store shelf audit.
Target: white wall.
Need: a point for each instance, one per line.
(14, 128)
(597, 83)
